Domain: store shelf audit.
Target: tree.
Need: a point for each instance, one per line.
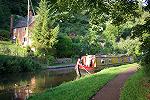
(44, 33)
(64, 47)
(131, 46)
(118, 11)
(77, 24)
(110, 33)
(4, 16)
(142, 31)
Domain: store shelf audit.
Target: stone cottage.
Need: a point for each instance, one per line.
(19, 29)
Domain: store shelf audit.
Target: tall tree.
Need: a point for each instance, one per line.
(4, 15)
(142, 30)
(44, 33)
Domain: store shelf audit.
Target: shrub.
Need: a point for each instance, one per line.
(146, 66)
(64, 47)
(30, 53)
(50, 59)
(4, 35)
(145, 47)
(11, 64)
(8, 48)
(29, 65)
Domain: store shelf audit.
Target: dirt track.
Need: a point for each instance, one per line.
(111, 91)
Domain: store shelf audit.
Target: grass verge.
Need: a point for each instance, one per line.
(83, 88)
(134, 88)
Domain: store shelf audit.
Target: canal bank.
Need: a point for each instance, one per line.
(83, 88)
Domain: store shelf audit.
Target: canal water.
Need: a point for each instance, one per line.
(21, 86)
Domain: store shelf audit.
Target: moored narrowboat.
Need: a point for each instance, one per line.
(93, 62)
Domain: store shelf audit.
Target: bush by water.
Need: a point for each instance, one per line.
(11, 64)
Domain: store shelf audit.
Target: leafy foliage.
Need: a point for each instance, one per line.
(4, 35)
(90, 44)
(64, 46)
(11, 49)
(142, 31)
(110, 33)
(146, 54)
(131, 46)
(44, 35)
(11, 64)
(77, 23)
(4, 15)
(119, 10)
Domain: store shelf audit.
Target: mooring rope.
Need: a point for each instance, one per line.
(87, 71)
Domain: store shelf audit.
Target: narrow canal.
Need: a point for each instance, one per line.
(21, 86)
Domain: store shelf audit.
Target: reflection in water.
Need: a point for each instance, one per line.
(21, 86)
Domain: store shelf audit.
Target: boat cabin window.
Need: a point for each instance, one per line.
(109, 60)
(102, 61)
(81, 61)
(129, 59)
(122, 59)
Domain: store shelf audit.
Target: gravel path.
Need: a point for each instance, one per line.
(112, 90)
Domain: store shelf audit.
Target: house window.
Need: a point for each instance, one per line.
(14, 37)
(14, 30)
(24, 39)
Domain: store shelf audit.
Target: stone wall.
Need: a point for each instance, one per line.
(63, 60)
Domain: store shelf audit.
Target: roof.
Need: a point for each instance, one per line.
(22, 21)
(104, 56)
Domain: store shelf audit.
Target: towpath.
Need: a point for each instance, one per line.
(112, 90)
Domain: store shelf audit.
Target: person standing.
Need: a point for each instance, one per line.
(77, 67)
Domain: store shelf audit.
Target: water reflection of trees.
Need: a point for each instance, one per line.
(22, 92)
(23, 87)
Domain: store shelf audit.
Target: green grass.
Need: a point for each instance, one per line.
(134, 88)
(83, 88)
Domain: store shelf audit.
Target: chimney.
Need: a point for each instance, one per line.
(30, 12)
(11, 25)
(30, 15)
